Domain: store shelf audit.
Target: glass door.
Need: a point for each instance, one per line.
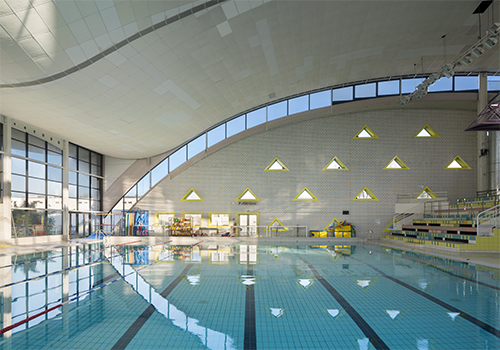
(248, 223)
(73, 225)
(79, 225)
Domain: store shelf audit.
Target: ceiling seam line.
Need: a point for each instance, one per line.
(115, 47)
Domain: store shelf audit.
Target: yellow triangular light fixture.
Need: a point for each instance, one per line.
(305, 195)
(389, 227)
(426, 194)
(276, 165)
(396, 164)
(248, 196)
(365, 195)
(335, 220)
(458, 163)
(427, 132)
(366, 133)
(335, 164)
(276, 225)
(191, 196)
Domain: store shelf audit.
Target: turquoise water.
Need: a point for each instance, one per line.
(209, 296)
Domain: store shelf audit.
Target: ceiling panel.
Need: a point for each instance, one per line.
(160, 89)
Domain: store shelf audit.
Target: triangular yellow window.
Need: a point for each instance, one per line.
(426, 132)
(396, 164)
(335, 164)
(276, 225)
(276, 165)
(426, 194)
(191, 196)
(365, 195)
(305, 195)
(332, 223)
(458, 163)
(366, 133)
(248, 195)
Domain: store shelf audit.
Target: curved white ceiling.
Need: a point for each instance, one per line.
(133, 79)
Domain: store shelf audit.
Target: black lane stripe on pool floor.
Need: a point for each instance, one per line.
(451, 308)
(131, 332)
(250, 337)
(105, 279)
(360, 322)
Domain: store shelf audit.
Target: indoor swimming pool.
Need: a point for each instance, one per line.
(275, 295)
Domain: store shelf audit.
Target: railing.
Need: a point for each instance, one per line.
(493, 194)
(467, 207)
(407, 216)
(485, 227)
(482, 203)
(264, 231)
(488, 193)
(293, 231)
(413, 197)
(431, 207)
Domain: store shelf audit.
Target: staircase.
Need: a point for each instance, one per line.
(454, 227)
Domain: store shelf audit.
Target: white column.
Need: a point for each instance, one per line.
(65, 192)
(482, 139)
(65, 292)
(6, 295)
(6, 216)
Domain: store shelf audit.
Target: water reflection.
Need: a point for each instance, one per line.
(286, 289)
(210, 338)
(277, 312)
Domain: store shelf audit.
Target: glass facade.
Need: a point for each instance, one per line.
(85, 179)
(37, 184)
(44, 287)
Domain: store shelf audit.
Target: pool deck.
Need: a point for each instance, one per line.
(490, 259)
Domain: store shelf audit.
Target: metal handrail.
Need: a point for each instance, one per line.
(401, 217)
(432, 205)
(489, 193)
(486, 211)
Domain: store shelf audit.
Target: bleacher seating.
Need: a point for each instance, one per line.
(453, 227)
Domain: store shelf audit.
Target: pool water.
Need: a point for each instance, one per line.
(242, 296)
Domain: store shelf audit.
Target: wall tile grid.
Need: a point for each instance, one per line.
(307, 147)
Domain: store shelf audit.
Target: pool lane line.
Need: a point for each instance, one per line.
(17, 324)
(369, 332)
(132, 331)
(64, 270)
(68, 300)
(441, 303)
(105, 279)
(162, 243)
(250, 335)
(117, 245)
(191, 246)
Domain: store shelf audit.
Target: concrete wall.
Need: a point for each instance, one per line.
(306, 147)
